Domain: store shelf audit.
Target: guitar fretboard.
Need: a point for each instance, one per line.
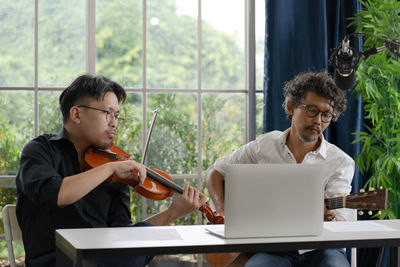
(335, 203)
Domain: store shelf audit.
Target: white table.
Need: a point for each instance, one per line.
(83, 246)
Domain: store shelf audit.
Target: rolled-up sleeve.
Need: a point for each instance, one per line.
(243, 155)
(339, 184)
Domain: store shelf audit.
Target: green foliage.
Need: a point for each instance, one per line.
(215, 73)
(175, 135)
(222, 127)
(8, 154)
(16, 47)
(19, 252)
(379, 85)
(171, 48)
(171, 63)
(62, 41)
(119, 41)
(259, 113)
(50, 120)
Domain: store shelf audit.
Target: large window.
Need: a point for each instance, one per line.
(188, 58)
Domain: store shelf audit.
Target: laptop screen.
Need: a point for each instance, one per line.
(263, 200)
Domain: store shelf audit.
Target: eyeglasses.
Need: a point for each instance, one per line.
(312, 111)
(109, 114)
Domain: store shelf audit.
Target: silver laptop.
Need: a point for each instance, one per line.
(270, 200)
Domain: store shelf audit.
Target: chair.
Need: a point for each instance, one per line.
(11, 230)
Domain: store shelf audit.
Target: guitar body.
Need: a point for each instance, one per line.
(221, 259)
(216, 259)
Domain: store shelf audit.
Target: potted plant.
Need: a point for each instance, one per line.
(378, 82)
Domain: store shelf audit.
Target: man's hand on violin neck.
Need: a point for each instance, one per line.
(129, 169)
(190, 200)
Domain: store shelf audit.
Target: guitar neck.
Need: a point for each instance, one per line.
(335, 203)
(371, 200)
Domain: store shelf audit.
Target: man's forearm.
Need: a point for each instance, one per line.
(162, 218)
(214, 182)
(77, 186)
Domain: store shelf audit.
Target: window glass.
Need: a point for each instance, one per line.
(50, 118)
(260, 40)
(119, 41)
(129, 130)
(61, 41)
(172, 61)
(172, 44)
(223, 64)
(16, 127)
(259, 113)
(223, 126)
(17, 42)
(260, 37)
(173, 145)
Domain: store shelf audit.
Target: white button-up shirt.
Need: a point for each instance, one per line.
(271, 148)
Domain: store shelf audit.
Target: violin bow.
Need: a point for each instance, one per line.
(146, 145)
(205, 208)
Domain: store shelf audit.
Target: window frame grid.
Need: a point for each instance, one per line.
(249, 90)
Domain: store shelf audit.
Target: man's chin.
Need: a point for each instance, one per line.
(105, 145)
(309, 138)
(108, 145)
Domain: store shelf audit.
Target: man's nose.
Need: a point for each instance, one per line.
(113, 121)
(318, 118)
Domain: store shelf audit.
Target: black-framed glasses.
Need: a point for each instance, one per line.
(109, 114)
(312, 111)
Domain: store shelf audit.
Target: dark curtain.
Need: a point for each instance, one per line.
(298, 38)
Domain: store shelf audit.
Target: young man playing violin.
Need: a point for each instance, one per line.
(312, 101)
(55, 191)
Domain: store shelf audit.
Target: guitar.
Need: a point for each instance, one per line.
(369, 200)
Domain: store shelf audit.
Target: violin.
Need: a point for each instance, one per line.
(156, 186)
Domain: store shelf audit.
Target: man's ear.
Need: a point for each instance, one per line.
(290, 107)
(74, 114)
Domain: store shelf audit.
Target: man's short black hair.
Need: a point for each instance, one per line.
(320, 83)
(88, 87)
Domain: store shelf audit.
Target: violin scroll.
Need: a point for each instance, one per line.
(211, 215)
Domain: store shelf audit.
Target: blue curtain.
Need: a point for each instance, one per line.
(298, 38)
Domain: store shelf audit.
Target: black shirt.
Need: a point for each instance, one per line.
(45, 161)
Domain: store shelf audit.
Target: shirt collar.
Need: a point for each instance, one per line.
(62, 134)
(322, 147)
(321, 150)
(284, 136)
